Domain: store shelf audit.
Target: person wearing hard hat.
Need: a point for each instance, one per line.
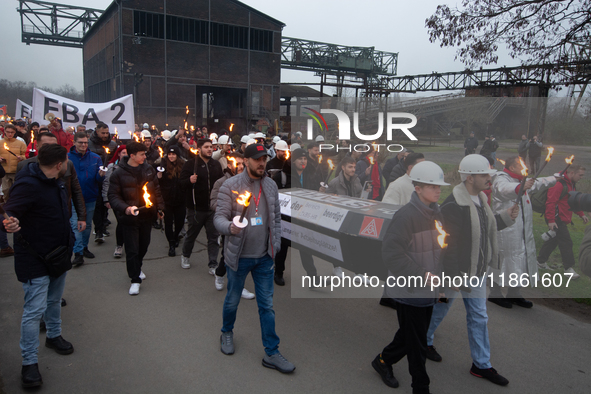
(399, 191)
(243, 140)
(410, 250)
(297, 138)
(281, 155)
(472, 250)
(145, 126)
(225, 148)
(517, 246)
(152, 154)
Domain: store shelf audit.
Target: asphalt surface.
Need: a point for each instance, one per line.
(166, 339)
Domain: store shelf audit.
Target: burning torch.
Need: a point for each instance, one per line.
(148, 203)
(568, 161)
(244, 200)
(332, 167)
(521, 187)
(161, 152)
(441, 236)
(196, 153)
(9, 151)
(548, 157)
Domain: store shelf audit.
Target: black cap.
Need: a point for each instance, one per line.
(255, 151)
(297, 153)
(174, 149)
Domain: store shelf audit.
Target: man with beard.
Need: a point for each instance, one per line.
(100, 142)
(152, 153)
(198, 177)
(133, 213)
(251, 249)
(10, 161)
(42, 226)
(281, 156)
(314, 169)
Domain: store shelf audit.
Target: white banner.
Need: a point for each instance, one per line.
(116, 114)
(23, 110)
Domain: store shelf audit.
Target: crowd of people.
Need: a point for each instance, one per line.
(193, 178)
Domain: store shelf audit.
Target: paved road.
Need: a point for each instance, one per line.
(166, 339)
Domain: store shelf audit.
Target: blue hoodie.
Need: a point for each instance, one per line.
(87, 168)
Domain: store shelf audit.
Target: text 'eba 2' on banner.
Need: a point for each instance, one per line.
(116, 114)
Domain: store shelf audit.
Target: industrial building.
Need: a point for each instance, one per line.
(221, 58)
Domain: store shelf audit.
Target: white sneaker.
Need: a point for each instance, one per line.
(185, 262)
(338, 271)
(247, 294)
(118, 252)
(545, 266)
(219, 282)
(212, 271)
(134, 289)
(572, 271)
(142, 275)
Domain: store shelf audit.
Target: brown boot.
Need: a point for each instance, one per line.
(5, 252)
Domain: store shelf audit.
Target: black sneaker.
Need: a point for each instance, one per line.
(490, 374)
(64, 303)
(501, 301)
(99, 238)
(385, 372)
(60, 345)
(87, 253)
(78, 260)
(522, 302)
(30, 376)
(433, 355)
(279, 281)
(389, 302)
(106, 233)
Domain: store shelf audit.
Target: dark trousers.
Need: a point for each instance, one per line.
(534, 164)
(119, 235)
(174, 215)
(221, 269)
(136, 239)
(564, 243)
(197, 220)
(411, 341)
(307, 259)
(99, 214)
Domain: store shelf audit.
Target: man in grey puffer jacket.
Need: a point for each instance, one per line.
(251, 249)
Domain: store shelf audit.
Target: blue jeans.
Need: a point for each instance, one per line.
(82, 238)
(476, 319)
(262, 271)
(42, 298)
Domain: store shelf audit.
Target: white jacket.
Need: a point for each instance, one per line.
(399, 191)
(517, 248)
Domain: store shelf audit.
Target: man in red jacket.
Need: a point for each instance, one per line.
(558, 216)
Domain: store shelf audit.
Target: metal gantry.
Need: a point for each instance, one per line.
(55, 24)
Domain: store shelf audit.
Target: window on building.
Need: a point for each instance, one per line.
(147, 24)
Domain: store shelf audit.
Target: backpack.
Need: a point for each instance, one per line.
(538, 199)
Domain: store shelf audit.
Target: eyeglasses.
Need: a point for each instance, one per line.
(82, 143)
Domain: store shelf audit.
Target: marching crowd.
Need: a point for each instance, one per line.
(196, 178)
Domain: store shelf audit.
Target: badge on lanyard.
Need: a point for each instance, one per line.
(256, 221)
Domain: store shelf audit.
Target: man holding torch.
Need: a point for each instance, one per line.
(134, 195)
(517, 248)
(12, 151)
(250, 246)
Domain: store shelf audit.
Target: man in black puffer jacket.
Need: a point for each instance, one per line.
(126, 196)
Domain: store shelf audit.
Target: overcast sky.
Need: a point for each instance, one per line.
(388, 25)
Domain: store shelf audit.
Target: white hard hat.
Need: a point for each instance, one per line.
(251, 141)
(427, 172)
(166, 134)
(319, 138)
(475, 164)
(146, 134)
(214, 141)
(281, 145)
(244, 139)
(259, 135)
(146, 126)
(213, 136)
(173, 133)
(294, 147)
(224, 139)
(276, 139)
(251, 135)
(298, 133)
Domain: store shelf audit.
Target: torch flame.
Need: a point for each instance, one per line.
(116, 132)
(523, 167)
(136, 138)
(441, 236)
(243, 199)
(194, 151)
(550, 152)
(160, 151)
(187, 111)
(569, 160)
(234, 161)
(192, 128)
(330, 164)
(319, 159)
(371, 160)
(107, 150)
(147, 196)
(6, 147)
(287, 154)
(231, 126)
(153, 127)
(501, 161)
(186, 126)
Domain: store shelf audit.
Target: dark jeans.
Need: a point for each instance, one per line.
(534, 164)
(99, 214)
(306, 258)
(198, 219)
(119, 235)
(136, 239)
(174, 215)
(564, 243)
(411, 341)
(262, 272)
